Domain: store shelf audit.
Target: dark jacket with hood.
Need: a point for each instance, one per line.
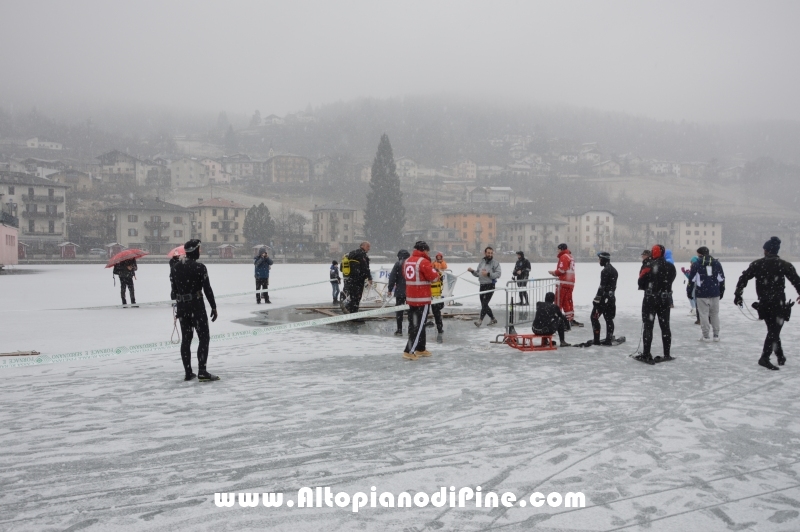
(122, 270)
(262, 265)
(706, 278)
(359, 270)
(397, 281)
(548, 316)
(522, 265)
(657, 275)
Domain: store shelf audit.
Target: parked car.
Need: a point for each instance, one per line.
(465, 254)
(97, 252)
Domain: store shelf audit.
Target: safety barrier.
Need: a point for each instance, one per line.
(236, 335)
(518, 313)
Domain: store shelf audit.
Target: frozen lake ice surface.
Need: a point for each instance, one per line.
(707, 442)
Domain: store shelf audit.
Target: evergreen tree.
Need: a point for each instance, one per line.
(231, 142)
(385, 215)
(258, 225)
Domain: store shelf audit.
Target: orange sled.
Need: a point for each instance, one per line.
(527, 342)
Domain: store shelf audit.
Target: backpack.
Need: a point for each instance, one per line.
(348, 266)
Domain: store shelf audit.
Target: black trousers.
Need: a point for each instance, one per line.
(416, 329)
(399, 300)
(485, 298)
(550, 331)
(523, 295)
(354, 290)
(194, 318)
(608, 311)
(654, 306)
(436, 310)
(123, 282)
(262, 284)
(772, 343)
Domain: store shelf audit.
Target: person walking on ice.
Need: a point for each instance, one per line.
(707, 280)
(488, 273)
(770, 273)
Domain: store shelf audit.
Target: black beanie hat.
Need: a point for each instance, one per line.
(702, 250)
(334, 263)
(550, 297)
(421, 245)
(773, 245)
(562, 246)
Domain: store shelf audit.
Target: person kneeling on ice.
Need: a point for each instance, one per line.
(189, 281)
(549, 319)
(770, 273)
(655, 278)
(418, 274)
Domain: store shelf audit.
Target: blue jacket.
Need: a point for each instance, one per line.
(262, 267)
(708, 278)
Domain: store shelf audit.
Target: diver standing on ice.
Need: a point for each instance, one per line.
(189, 281)
(655, 278)
(770, 272)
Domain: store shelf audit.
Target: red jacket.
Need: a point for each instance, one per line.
(418, 273)
(566, 267)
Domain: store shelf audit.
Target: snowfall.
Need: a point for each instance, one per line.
(710, 441)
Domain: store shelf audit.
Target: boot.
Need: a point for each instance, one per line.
(205, 376)
(565, 344)
(424, 353)
(410, 356)
(596, 339)
(439, 338)
(398, 332)
(189, 375)
(697, 321)
(647, 358)
(575, 323)
(493, 322)
(124, 302)
(765, 363)
(781, 360)
(608, 341)
(266, 300)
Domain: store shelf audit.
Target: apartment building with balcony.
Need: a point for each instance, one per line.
(39, 205)
(475, 225)
(684, 234)
(148, 224)
(219, 220)
(532, 234)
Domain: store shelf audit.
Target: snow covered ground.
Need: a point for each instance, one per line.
(708, 442)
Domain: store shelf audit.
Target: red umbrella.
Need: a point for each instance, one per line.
(177, 252)
(126, 255)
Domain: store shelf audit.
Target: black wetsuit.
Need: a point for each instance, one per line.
(605, 303)
(770, 273)
(189, 281)
(655, 278)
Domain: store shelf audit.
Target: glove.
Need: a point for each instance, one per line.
(737, 300)
(213, 314)
(721, 293)
(596, 300)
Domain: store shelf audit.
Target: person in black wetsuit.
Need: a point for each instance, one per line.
(771, 273)
(549, 319)
(655, 278)
(397, 285)
(605, 302)
(189, 280)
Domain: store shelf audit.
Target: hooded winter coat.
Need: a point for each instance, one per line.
(397, 283)
(565, 269)
(418, 274)
(707, 278)
(262, 265)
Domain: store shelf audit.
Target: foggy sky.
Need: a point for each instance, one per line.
(705, 61)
